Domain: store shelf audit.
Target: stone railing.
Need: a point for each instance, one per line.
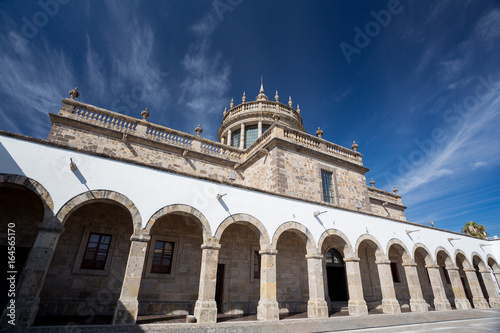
(167, 135)
(102, 117)
(262, 106)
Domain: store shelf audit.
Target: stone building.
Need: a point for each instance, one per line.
(116, 216)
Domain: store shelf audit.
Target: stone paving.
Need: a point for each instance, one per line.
(293, 323)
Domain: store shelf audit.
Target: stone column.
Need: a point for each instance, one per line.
(259, 129)
(316, 306)
(390, 304)
(31, 281)
(205, 309)
(441, 303)
(229, 137)
(128, 305)
(223, 140)
(268, 306)
(477, 294)
(491, 289)
(417, 302)
(357, 305)
(242, 136)
(461, 301)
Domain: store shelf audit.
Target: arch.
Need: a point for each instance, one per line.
(400, 247)
(182, 210)
(299, 230)
(35, 187)
(476, 258)
(424, 251)
(100, 196)
(466, 264)
(493, 263)
(242, 218)
(348, 249)
(373, 243)
(447, 257)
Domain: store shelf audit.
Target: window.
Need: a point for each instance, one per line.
(395, 272)
(256, 265)
(162, 257)
(96, 251)
(251, 135)
(334, 258)
(327, 181)
(235, 138)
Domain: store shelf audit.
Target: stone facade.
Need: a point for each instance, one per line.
(244, 225)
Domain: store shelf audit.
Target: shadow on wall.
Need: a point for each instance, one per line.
(7, 163)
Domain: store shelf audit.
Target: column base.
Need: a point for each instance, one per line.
(391, 306)
(317, 308)
(205, 311)
(480, 303)
(418, 305)
(357, 308)
(23, 315)
(126, 312)
(494, 302)
(268, 310)
(462, 304)
(442, 305)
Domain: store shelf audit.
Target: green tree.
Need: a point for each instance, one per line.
(473, 229)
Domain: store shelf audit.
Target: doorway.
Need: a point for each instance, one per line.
(219, 284)
(336, 276)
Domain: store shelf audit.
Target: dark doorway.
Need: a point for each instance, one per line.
(219, 284)
(21, 256)
(335, 272)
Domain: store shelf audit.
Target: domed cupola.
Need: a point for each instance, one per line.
(243, 124)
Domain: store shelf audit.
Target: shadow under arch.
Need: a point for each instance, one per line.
(424, 251)
(464, 261)
(373, 243)
(243, 218)
(448, 259)
(185, 210)
(401, 248)
(347, 249)
(300, 230)
(492, 262)
(34, 186)
(476, 258)
(100, 196)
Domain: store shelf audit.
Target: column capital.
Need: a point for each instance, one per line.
(383, 262)
(452, 268)
(469, 270)
(140, 238)
(351, 259)
(484, 271)
(51, 224)
(411, 263)
(432, 266)
(270, 252)
(210, 246)
(314, 256)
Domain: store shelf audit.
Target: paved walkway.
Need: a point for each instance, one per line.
(332, 324)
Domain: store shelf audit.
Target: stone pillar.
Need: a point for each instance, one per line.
(128, 305)
(259, 129)
(268, 306)
(390, 304)
(493, 297)
(33, 275)
(229, 137)
(417, 302)
(223, 140)
(242, 136)
(357, 305)
(316, 306)
(441, 303)
(205, 309)
(477, 294)
(461, 301)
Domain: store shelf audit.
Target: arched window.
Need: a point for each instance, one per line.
(334, 258)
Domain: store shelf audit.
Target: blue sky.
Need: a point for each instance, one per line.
(415, 83)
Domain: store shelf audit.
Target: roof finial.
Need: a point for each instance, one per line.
(298, 108)
(290, 101)
(354, 146)
(225, 112)
(145, 113)
(372, 182)
(261, 85)
(261, 96)
(198, 130)
(73, 93)
(319, 133)
(277, 97)
(244, 98)
(231, 104)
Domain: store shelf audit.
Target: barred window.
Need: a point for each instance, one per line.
(327, 181)
(96, 251)
(251, 135)
(235, 138)
(162, 258)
